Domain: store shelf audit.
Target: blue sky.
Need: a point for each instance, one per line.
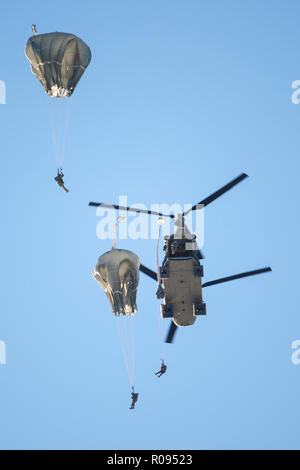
(179, 98)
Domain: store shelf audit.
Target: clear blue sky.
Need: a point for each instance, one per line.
(179, 98)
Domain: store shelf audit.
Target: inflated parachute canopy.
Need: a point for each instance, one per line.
(117, 272)
(58, 60)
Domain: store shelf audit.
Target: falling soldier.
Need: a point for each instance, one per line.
(60, 181)
(162, 370)
(134, 397)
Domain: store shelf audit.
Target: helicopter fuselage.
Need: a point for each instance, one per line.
(180, 276)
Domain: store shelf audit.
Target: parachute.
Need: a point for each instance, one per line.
(117, 272)
(58, 60)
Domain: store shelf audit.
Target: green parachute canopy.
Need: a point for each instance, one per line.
(117, 272)
(58, 60)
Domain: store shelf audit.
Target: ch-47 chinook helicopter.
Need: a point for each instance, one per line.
(179, 277)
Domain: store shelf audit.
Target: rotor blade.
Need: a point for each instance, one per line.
(129, 209)
(236, 276)
(148, 272)
(218, 193)
(171, 333)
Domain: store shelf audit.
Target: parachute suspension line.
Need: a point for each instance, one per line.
(129, 335)
(54, 140)
(160, 323)
(59, 139)
(127, 345)
(132, 341)
(121, 334)
(65, 133)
